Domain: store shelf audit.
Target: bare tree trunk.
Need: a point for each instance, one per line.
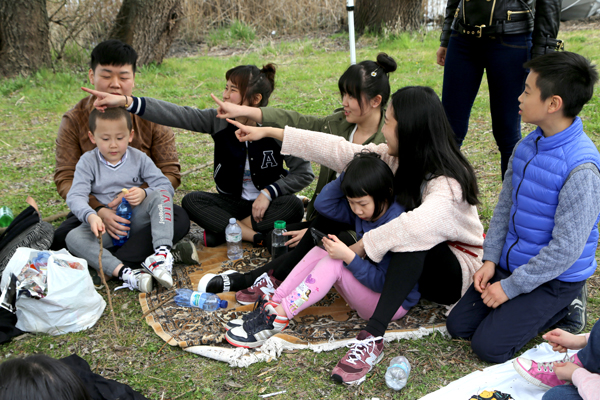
(24, 45)
(149, 26)
(374, 15)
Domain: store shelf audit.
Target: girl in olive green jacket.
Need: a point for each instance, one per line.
(365, 90)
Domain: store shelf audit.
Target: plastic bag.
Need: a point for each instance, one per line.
(71, 303)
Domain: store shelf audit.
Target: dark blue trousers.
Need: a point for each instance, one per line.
(502, 57)
(497, 334)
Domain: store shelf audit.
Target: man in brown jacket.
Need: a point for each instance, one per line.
(112, 69)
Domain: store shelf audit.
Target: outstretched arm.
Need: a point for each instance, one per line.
(229, 110)
(252, 133)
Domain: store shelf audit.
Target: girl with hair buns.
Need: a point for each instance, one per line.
(364, 90)
(253, 187)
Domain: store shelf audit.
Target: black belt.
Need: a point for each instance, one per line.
(505, 27)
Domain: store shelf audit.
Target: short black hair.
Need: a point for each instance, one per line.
(368, 175)
(367, 79)
(565, 74)
(39, 377)
(110, 114)
(113, 52)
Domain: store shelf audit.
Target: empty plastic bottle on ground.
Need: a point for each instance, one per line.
(233, 235)
(278, 246)
(6, 216)
(124, 211)
(397, 373)
(205, 301)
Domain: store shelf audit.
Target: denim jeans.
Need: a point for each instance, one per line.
(563, 392)
(502, 57)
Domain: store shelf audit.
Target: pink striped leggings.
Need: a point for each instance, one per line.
(314, 276)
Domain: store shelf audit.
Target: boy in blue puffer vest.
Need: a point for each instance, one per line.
(540, 247)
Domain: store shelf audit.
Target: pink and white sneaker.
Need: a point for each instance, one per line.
(541, 374)
(365, 352)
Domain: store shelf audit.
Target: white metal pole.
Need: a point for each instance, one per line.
(350, 9)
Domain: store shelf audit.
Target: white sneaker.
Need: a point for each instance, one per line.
(160, 266)
(136, 280)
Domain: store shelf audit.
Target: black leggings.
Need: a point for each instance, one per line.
(284, 264)
(438, 273)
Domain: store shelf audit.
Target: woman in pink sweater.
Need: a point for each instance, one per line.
(581, 369)
(437, 242)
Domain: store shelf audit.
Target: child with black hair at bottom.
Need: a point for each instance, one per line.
(39, 377)
(540, 247)
(104, 172)
(581, 369)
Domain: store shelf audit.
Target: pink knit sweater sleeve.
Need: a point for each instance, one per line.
(587, 383)
(442, 216)
(331, 151)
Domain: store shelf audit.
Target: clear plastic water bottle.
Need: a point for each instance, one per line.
(233, 235)
(278, 246)
(124, 210)
(6, 216)
(397, 373)
(205, 301)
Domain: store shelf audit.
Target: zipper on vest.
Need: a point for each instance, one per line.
(516, 196)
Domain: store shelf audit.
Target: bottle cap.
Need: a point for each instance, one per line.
(279, 224)
(222, 303)
(232, 221)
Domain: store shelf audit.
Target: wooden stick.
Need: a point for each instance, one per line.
(199, 167)
(106, 285)
(156, 308)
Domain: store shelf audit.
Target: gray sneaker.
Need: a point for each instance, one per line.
(576, 319)
(185, 253)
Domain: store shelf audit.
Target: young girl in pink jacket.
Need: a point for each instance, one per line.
(436, 242)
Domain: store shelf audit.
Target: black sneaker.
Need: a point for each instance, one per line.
(259, 305)
(185, 253)
(254, 332)
(96, 280)
(212, 283)
(212, 239)
(576, 320)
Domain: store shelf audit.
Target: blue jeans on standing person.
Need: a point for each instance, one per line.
(502, 57)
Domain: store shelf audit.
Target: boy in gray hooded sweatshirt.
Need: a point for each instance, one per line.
(104, 172)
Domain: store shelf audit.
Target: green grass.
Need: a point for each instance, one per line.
(308, 69)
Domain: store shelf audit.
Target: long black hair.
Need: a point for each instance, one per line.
(368, 175)
(426, 147)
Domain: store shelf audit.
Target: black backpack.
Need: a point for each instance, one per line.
(26, 230)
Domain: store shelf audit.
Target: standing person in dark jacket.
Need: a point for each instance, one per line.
(499, 37)
(253, 187)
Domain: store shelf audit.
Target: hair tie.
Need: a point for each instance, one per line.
(374, 73)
